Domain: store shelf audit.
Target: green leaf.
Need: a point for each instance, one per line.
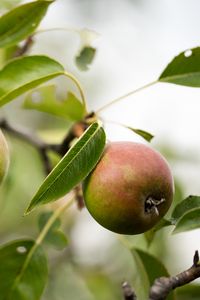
(189, 221)
(189, 291)
(146, 135)
(85, 58)
(142, 277)
(73, 168)
(45, 99)
(18, 280)
(184, 206)
(184, 69)
(21, 22)
(25, 73)
(54, 237)
(152, 269)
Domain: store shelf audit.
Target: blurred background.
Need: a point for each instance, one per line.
(135, 41)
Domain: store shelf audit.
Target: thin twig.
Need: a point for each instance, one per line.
(79, 197)
(164, 285)
(25, 48)
(33, 140)
(22, 134)
(42, 147)
(75, 132)
(128, 291)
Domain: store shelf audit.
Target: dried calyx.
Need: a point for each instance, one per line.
(151, 205)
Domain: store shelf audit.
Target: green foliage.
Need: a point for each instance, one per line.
(74, 167)
(21, 22)
(188, 292)
(184, 69)
(22, 277)
(185, 215)
(149, 268)
(85, 58)
(144, 134)
(184, 206)
(45, 99)
(189, 221)
(55, 236)
(25, 73)
(23, 264)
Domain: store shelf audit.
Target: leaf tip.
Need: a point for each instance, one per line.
(28, 210)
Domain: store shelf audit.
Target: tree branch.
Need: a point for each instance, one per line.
(25, 48)
(32, 140)
(42, 147)
(128, 291)
(164, 285)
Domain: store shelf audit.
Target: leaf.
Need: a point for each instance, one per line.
(141, 278)
(189, 291)
(44, 99)
(54, 237)
(23, 74)
(184, 206)
(73, 168)
(18, 280)
(189, 221)
(146, 135)
(184, 69)
(152, 268)
(85, 58)
(20, 22)
(87, 52)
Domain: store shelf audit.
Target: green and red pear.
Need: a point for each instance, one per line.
(130, 189)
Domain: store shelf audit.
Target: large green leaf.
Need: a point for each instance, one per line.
(22, 278)
(184, 206)
(25, 73)
(152, 269)
(189, 221)
(73, 168)
(141, 279)
(184, 69)
(45, 99)
(20, 22)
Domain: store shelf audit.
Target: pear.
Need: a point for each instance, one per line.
(130, 189)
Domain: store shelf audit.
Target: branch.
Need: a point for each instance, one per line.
(42, 147)
(32, 140)
(25, 48)
(128, 292)
(164, 285)
(75, 132)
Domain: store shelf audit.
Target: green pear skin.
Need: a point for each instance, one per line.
(130, 189)
(4, 157)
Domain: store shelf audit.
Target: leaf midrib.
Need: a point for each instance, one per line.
(56, 178)
(40, 78)
(179, 76)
